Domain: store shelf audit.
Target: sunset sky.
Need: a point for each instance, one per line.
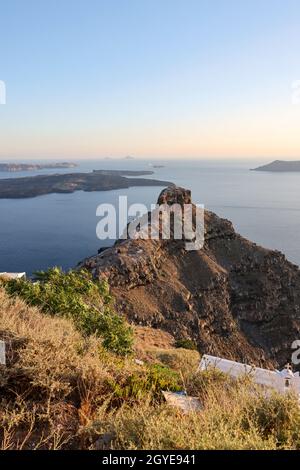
(150, 78)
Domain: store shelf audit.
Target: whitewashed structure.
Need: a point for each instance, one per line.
(13, 275)
(282, 381)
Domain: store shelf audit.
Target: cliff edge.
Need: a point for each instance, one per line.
(233, 298)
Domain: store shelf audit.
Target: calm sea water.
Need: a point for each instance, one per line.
(61, 229)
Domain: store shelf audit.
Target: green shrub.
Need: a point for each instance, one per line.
(153, 380)
(77, 296)
(186, 344)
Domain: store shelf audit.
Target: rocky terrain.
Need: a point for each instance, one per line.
(280, 166)
(13, 167)
(233, 298)
(32, 186)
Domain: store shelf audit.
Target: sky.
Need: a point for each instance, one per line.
(150, 78)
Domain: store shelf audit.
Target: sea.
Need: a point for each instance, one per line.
(60, 229)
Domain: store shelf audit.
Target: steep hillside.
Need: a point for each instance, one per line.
(233, 298)
(60, 390)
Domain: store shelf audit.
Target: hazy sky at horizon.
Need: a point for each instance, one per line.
(149, 78)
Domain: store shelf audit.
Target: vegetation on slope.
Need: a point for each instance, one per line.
(61, 389)
(77, 296)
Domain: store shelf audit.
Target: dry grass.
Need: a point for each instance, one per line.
(234, 417)
(55, 393)
(54, 379)
(158, 346)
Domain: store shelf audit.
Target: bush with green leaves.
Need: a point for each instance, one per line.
(77, 296)
(149, 381)
(186, 344)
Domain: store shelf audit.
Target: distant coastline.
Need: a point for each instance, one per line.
(99, 180)
(14, 167)
(280, 166)
(124, 172)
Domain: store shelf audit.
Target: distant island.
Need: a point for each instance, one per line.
(156, 165)
(128, 157)
(124, 172)
(98, 180)
(280, 166)
(12, 167)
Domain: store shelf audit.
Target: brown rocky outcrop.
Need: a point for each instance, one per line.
(233, 298)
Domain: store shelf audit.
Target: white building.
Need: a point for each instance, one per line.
(282, 381)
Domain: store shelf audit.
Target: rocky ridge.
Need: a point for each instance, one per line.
(233, 298)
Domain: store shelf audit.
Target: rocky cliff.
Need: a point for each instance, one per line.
(233, 298)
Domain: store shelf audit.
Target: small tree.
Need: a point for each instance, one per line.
(77, 296)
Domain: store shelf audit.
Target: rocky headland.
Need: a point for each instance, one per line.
(280, 166)
(233, 298)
